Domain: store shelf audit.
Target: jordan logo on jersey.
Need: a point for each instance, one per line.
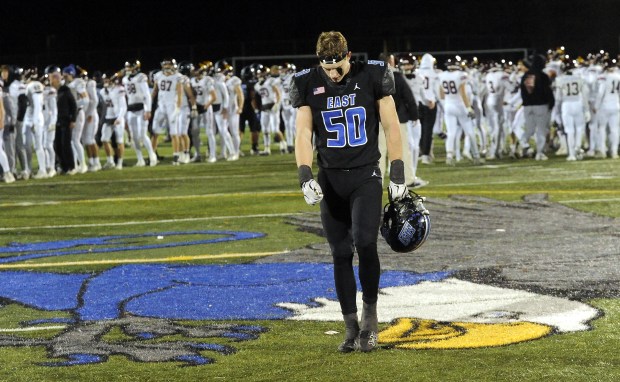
(356, 87)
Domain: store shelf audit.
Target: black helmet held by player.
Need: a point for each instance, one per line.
(406, 223)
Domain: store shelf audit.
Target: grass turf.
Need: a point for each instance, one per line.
(257, 194)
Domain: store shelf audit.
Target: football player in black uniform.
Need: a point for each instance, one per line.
(341, 103)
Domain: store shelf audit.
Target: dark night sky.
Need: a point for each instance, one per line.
(104, 34)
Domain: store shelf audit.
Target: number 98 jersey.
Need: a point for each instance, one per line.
(345, 115)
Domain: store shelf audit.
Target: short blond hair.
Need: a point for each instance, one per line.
(331, 43)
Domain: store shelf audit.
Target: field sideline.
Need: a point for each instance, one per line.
(209, 272)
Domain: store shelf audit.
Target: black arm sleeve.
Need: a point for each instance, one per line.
(295, 95)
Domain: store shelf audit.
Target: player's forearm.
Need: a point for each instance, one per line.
(303, 140)
(391, 126)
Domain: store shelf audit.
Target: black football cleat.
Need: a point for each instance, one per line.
(349, 345)
(368, 341)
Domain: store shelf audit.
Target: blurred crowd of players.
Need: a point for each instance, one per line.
(475, 106)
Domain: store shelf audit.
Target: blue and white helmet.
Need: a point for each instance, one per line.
(406, 223)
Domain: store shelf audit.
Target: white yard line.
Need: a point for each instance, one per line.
(152, 198)
(32, 329)
(147, 222)
(136, 180)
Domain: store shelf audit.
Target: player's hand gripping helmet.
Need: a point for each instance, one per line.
(406, 223)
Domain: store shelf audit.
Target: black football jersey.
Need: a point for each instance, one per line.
(345, 114)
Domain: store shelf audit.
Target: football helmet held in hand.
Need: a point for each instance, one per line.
(406, 223)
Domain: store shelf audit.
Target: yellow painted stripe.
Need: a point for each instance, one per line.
(138, 261)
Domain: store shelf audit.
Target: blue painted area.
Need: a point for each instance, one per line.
(146, 336)
(78, 359)
(195, 360)
(196, 292)
(106, 244)
(46, 291)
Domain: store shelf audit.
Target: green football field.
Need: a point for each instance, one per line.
(164, 274)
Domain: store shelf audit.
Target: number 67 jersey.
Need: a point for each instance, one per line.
(345, 115)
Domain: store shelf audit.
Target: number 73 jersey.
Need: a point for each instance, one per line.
(345, 115)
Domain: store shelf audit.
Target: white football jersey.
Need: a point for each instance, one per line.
(184, 80)
(78, 88)
(608, 96)
(34, 111)
(50, 107)
(202, 88)
(167, 87)
(287, 80)
(114, 99)
(450, 82)
(137, 90)
(16, 88)
(430, 79)
(591, 74)
(265, 89)
(231, 84)
(93, 99)
(496, 83)
(571, 88)
(220, 90)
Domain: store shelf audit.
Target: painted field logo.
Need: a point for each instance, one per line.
(117, 243)
(448, 313)
(135, 310)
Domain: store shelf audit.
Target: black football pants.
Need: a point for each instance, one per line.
(351, 215)
(427, 120)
